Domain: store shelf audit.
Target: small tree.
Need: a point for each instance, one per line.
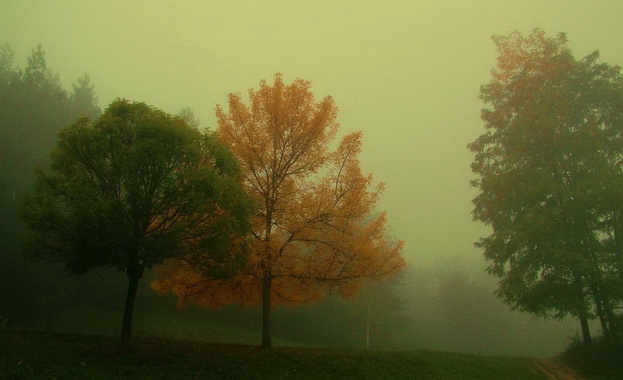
(133, 188)
(315, 229)
(82, 100)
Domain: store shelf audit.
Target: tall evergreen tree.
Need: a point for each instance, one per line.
(33, 108)
(82, 100)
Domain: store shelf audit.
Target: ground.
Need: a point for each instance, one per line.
(556, 370)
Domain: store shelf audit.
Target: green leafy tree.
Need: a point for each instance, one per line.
(553, 133)
(133, 188)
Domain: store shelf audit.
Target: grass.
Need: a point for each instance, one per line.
(36, 355)
(169, 323)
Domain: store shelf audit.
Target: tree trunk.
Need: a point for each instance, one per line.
(368, 333)
(266, 309)
(586, 333)
(134, 276)
(618, 243)
(613, 322)
(617, 230)
(368, 322)
(601, 313)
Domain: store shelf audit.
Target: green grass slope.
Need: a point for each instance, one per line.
(32, 355)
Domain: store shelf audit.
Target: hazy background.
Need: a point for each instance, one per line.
(406, 73)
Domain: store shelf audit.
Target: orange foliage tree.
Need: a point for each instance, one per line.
(316, 228)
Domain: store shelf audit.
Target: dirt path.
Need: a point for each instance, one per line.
(556, 370)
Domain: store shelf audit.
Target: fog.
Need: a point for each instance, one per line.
(406, 73)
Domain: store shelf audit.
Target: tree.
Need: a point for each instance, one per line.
(83, 101)
(379, 306)
(37, 71)
(187, 114)
(133, 188)
(372, 318)
(314, 230)
(553, 136)
(7, 68)
(33, 108)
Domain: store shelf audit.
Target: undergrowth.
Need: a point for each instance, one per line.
(600, 359)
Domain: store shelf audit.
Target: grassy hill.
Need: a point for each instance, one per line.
(35, 355)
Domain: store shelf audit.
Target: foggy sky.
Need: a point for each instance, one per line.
(406, 73)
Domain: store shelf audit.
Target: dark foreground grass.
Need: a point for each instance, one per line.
(34, 355)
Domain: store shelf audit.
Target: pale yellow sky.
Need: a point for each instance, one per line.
(406, 73)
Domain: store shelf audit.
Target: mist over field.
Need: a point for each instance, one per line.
(406, 74)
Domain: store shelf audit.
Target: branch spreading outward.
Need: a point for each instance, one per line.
(316, 228)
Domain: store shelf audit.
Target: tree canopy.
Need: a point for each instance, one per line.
(135, 187)
(549, 174)
(316, 228)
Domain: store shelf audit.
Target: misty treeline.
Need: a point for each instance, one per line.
(34, 106)
(549, 174)
(418, 309)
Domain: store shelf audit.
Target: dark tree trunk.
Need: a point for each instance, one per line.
(614, 324)
(586, 333)
(601, 313)
(266, 309)
(134, 276)
(368, 323)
